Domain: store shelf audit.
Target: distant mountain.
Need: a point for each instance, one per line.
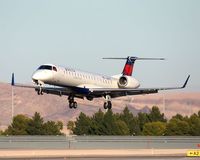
(26, 101)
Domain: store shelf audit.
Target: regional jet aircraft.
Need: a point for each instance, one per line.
(78, 84)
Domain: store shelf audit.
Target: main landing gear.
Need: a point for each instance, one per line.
(107, 104)
(72, 103)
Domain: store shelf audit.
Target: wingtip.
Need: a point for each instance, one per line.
(186, 81)
(13, 79)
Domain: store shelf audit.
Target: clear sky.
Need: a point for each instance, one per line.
(78, 33)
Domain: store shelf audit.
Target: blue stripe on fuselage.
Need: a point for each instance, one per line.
(79, 90)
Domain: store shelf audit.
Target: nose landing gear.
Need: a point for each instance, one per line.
(39, 88)
(39, 91)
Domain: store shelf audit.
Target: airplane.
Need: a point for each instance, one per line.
(79, 84)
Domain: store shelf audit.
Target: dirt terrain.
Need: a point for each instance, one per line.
(51, 107)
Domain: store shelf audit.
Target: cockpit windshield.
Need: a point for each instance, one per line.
(48, 67)
(45, 67)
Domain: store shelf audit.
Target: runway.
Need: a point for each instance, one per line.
(91, 153)
(96, 147)
(121, 158)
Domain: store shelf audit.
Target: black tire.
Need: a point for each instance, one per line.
(39, 92)
(75, 105)
(105, 105)
(109, 105)
(71, 105)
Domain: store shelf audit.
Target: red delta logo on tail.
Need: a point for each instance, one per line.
(128, 68)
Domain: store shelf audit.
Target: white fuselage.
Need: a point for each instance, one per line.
(66, 77)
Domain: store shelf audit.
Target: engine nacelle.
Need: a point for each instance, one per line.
(128, 82)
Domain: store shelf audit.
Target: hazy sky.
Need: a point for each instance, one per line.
(78, 33)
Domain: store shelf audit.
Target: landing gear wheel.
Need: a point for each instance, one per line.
(75, 105)
(39, 92)
(107, 105)
(71, 105)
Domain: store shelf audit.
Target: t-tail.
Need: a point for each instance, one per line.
(129, 66)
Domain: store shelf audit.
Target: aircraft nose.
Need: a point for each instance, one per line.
(41, 76)
(36, 76)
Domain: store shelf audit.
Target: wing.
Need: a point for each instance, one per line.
(98, 92)
(95, 92)
(76, 91)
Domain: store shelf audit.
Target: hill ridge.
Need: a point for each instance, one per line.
(51, 107)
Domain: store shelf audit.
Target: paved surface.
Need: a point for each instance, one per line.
(93, 153)
(95, 146)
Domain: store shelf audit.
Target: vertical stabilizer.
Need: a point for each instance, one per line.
(128, 68)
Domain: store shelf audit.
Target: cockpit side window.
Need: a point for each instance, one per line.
(54, 68)
(45, 67)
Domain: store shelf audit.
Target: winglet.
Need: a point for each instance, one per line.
(186, 82)
(13, 79)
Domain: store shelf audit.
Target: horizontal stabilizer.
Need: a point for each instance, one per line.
(128, 68)
(134, 58)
